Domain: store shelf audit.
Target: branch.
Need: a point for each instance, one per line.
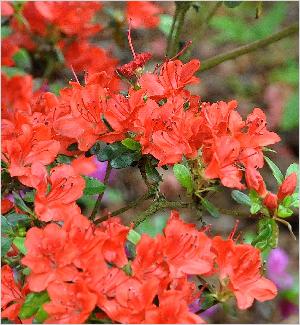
(218, 59)
(157, 206)
(99, 199)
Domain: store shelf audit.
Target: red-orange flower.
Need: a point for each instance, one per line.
(71, 303)
(287, 187)
(239, 268)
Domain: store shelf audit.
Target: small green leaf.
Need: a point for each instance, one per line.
(295, 200)
(293, 168)
(20, 203)
(5, 245)
(287, 201)
(63, 159)
(183, 176)
(6, 227)
(5, 31)
(208, 300)
(152, 172)
(125, 160)
(29, 196)
(284, 212)
(275, 170)
(93, 186)
(12, 71)
(267, 234)
(26, 271)
(15, 218)
(19, 242)
(32, 304)
(22, 59)
(255, 207)
(241, 197)
(211, 209)
(40, 316)
(73, 147)
(133, 236)
(131, 144)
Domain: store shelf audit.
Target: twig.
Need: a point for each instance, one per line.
(218, 59)
(99, 199)
(157, 206)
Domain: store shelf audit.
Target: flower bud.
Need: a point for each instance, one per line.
(271, 201)
(287, 187)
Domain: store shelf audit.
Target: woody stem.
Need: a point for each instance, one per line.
(218, 59)
(99, 199)
(156, 206)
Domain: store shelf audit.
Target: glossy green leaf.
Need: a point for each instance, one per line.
(19, 242)
(20, 203)
(6, 227)
(133, 236)
(267, 237)
(152, 172)
(131, 144)
(93, 186)
(12, 71)
(16, 219)
(183, 176)
(125, 160)
(32, 304)
(40, 316)
(22, 59)
(275, 170)
(284, 212)
(5, 245)
(241, 197)
(211, 209)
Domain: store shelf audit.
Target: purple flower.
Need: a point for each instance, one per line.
(100, 171)
(277, 263)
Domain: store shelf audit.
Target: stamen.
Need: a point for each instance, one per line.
(74, 74)
(234, 230)
(130, 40)
(187, 44)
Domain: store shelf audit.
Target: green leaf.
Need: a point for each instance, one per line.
(152, 172)
(267, 234)
(131, 144)
(256, 203)
(232, 4)
(295, 200)
(19, 242)
(287, 201)
(29, 196)
(20, 203)
(125, 160)
(275, 170)
(255, 207)
(211, 209)
(165, 23)
(93, 186)
(15, 218)
(208, 300)
(241, 197)
(133, 236)
(183, 176)
(40, 316)
(63, 159)
(32, 304)
(5, 31)
(6, 227)
(73, 147)
(284, 212)
(5, 245)
(12, 71)
(293, 168)
(22, 59)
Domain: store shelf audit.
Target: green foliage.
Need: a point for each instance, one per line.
(183, 176)
(267, 234)
(118, 154)
(241, 197)
(133, 236)
(235, 27)
(232, 4)
(151, 172)
(12, 71)
(19, 242)
(256, 203)
(40, 316)
(131, 144)
(22, 60)
(211, 209)
(5, 245)
(152, 226)
(20, 203)
(275, 170)
(93, 186)
(33, 303)
(5, 31)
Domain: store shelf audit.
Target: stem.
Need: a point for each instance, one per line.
(218, 59)
(177, 24)
(133, 204)
(157, 206)
(99, 199)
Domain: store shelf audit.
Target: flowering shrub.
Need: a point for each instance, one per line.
(61, 265)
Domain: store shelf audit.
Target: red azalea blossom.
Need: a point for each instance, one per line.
(143, 14)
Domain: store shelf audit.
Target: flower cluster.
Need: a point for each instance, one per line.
(83, 266)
